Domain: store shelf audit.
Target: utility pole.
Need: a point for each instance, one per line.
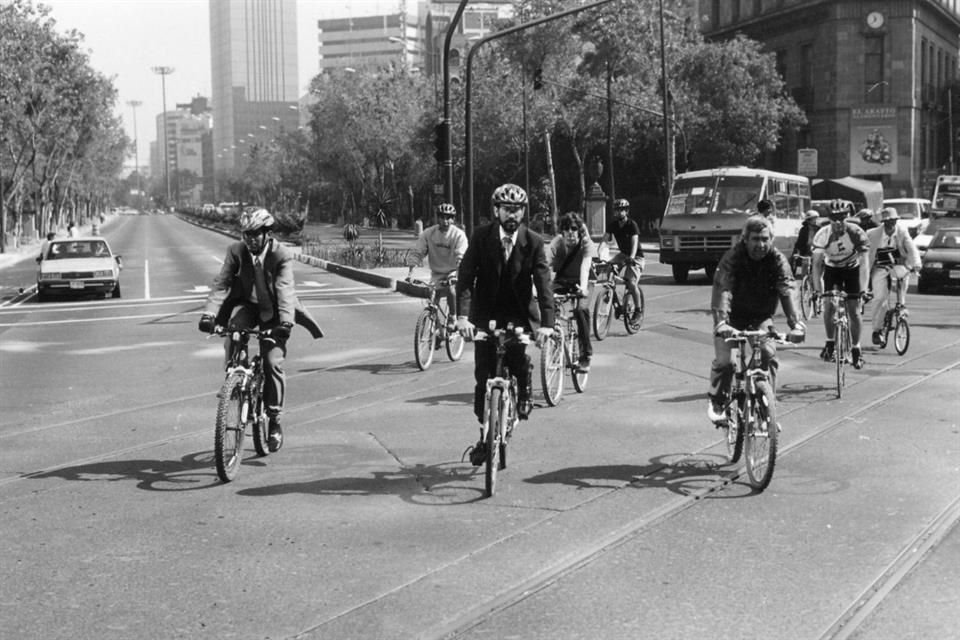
(667, 137)
(136, 155)
(164, 72)
(447, 160)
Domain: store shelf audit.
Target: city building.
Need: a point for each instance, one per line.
(188, 150)
(253, 58)
(875, 79)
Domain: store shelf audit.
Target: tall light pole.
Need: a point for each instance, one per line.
(667, 139)
(164, 72)
(136, 156)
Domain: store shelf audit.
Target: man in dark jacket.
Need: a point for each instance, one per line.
(255, 288)
(750, 279)
(504, 261)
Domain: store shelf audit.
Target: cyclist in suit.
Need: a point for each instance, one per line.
(503, 263)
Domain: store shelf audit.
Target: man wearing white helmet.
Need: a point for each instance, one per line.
(255, 287)
(443, 244)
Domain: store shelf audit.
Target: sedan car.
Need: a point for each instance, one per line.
(941, 262)
(78, 266)
(935, 223)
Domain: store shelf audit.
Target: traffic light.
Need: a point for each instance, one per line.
(538, 79)
(441, 139)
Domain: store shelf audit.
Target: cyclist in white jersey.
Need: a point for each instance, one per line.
(444, 245)
(840, 261)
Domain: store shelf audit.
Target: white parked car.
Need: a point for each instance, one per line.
(914, 213)
(78, 266)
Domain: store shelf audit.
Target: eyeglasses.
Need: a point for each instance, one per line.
(252, 234)
(447, 216)
(510, 208)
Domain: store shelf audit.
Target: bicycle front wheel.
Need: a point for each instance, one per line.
(228, 434)
(551, 367)
(761, 437)
(901, 336)
(579, 377)
(806, 298)
(840, 355)
(632, 314)
(495, 430)
(261, 427)
(424, 340)
(452, 339)
(734, 429)
(603, 312)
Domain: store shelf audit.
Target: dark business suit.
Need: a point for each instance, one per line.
(489, 287)
(230, 301)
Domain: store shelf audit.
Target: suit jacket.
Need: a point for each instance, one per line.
(479, 278)
(901, 241)
(235, 282)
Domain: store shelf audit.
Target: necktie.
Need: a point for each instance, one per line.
(507, 248)
(263, 295)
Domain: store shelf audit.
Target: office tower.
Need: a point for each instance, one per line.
(253, 57)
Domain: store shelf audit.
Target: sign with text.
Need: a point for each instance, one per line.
(873, 140)
(807, 162)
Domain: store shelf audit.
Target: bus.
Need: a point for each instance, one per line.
(706, 211)
(946, 196)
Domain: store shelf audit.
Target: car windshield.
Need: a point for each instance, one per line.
(906, 210)
(79, 249)
(709, 194)
(946, 239)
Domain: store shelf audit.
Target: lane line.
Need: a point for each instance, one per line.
(146, 279)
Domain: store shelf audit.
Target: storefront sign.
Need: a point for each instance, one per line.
(873, 140)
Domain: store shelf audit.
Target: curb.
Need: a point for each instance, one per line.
(374, 279)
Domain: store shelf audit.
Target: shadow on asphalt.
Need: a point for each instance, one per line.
(376, 368)
(192, 471)
(446, 399)
(444, 484)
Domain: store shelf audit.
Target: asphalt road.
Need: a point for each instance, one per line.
(617, 517)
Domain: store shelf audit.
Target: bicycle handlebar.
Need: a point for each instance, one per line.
(519, 335)
(445, 282)
(257, 333)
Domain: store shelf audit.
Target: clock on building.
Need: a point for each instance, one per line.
(875, 19)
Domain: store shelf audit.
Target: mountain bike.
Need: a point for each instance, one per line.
(562, 351)
(751, 426)
(895, 318)
(810, 304)
(500, 414)
(608, 305)
(240, 404)
(843, 343)
(435, 326)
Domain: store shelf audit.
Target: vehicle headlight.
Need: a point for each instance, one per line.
(106, 273)
(667, 242)
(49, 276)
(933, 265)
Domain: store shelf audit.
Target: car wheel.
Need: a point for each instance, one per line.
(116, 291)
(922, 286)
(41, 296)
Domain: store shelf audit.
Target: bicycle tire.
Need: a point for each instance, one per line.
(761, 439)
(734, 429)
(261, 425)
(840, 358)
(494, 437)
(551, 367)
(603, 312)
(901, 336)
(579, 377)
(423, 339)
(806, 298)
(228, 433)
(629, 308)
(452, 340)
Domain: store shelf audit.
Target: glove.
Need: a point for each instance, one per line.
(282, 332)
(542, 334)
(723, 330)
(465, 327)
(798, 333)
(206, 324)
(866, 296)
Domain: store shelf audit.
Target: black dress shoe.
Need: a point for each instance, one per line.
(275, 435)
(478, 454)
(524, 407)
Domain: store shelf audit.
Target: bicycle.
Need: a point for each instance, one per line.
(895, 318)
(608, 306)
(562, 351)
(751, 426)
(435, 326)
(810, 304)
(843, 343)
(240, 405)
(500, 415)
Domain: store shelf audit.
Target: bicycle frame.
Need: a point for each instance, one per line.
(432, 327)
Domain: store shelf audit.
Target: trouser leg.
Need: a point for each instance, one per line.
(721, 369)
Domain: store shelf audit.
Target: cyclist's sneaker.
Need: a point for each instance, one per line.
(524, 407)
(637, 317)
(584, 365)
(857, 357)
(715, 411)
(827, 353)
(478, 454)
(275, 435)
(877, 339)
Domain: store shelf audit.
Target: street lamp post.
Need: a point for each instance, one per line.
(164, 72)
(136, 156)
(667, 139)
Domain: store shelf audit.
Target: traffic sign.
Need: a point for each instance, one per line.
(807, 162)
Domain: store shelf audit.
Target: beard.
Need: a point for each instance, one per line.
(510, 225)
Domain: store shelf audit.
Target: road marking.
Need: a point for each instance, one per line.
(314, 283)
(146, 279)
(198, 288)
(118, 347)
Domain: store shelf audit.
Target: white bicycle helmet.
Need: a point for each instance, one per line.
(509, 194)
(255, 219)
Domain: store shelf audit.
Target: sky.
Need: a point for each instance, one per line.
(127, 38)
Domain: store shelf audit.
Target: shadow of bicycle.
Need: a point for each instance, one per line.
(191, 472)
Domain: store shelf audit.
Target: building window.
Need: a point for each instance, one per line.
(874, 84)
